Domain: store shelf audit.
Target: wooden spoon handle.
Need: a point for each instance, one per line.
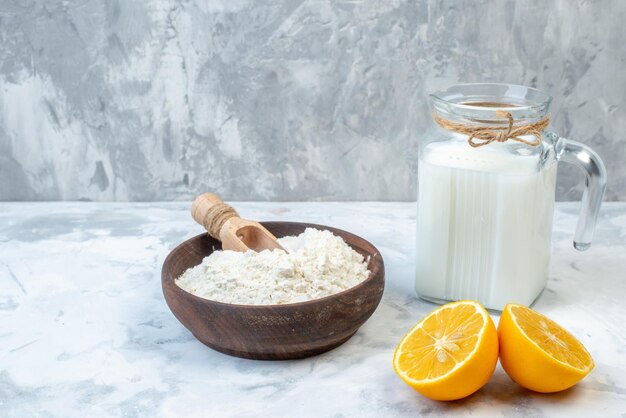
(212, 213)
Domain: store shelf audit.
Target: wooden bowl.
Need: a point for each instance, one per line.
(273, 332)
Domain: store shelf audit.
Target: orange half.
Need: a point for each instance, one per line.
(538, 353)
(450, 353)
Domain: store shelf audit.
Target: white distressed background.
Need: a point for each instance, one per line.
(281, 100)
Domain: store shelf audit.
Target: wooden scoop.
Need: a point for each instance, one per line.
(224, 224)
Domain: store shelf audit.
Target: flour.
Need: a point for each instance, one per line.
(318, 264)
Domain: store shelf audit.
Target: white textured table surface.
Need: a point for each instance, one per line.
(85, 330)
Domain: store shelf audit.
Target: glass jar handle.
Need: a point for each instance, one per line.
(595, 184)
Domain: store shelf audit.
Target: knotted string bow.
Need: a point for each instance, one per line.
(483, 135)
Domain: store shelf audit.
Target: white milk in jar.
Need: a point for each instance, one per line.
(484, 223)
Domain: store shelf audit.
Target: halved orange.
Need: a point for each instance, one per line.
(538, 353)
(450, 353)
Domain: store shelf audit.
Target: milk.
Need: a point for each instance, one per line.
(484, 223)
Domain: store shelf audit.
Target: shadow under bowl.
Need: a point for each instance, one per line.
(273, 332)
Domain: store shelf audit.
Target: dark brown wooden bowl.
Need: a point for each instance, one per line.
(273, 332)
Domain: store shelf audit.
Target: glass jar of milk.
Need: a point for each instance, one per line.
(486, 190)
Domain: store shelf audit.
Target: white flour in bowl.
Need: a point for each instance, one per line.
(318, 264)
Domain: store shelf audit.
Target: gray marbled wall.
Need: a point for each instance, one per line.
(281, 100)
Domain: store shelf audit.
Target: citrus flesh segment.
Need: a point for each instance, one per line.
(552, 338)
(538, 353)
(450, 353)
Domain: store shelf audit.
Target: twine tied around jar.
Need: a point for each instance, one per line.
(483, 135)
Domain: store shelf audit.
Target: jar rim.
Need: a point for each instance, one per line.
(481, 101)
